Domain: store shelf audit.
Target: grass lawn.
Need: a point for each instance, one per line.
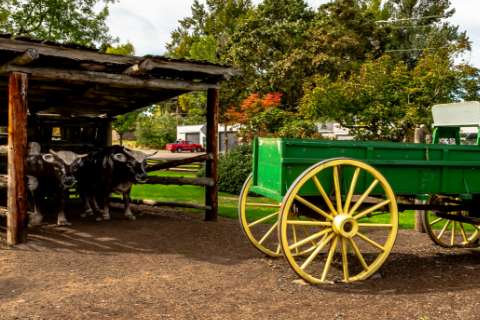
(227, 202)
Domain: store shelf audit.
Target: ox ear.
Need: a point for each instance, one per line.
(48, 157)
(120, 157)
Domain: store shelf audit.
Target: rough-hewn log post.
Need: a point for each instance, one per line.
(108, 133)
(419, 137)
(211, 192)
(17, 147)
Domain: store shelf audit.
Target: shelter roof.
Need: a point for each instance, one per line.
(70, 80)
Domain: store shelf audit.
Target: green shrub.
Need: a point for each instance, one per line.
(155, 131)
(233, 169)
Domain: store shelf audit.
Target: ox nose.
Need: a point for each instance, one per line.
(69, 182)
(141, 177)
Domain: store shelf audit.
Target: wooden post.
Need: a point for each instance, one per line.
(108, 133)
(17, 146)
(420, 135)
(211, 192)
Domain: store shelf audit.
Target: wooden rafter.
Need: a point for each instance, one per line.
(114, 80)
(23, 59)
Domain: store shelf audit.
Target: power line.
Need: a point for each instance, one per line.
(416, 49)
(408, 19)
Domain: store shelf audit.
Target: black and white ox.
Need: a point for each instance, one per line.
(112, 169)
(50, 174)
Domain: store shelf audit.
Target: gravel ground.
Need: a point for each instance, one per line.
(172, 265)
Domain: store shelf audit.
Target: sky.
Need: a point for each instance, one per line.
(147, 24)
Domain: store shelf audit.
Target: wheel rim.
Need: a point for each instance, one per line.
(449, 233)
(349, 245)
(259, 218)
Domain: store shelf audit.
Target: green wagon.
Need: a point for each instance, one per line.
(331, 207)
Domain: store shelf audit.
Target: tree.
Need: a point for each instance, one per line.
(418, 25)
(126, 49)
(385, 100)
(156, 128)
(125, 123)
(68, 21)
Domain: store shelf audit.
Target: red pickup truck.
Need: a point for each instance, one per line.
(182, 145)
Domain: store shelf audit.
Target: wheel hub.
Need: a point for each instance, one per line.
(345, 226)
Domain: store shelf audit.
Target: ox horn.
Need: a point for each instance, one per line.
(148, 156)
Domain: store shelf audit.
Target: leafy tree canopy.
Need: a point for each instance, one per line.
(68, 21)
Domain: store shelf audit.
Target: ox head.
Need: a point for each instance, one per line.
(65, 164)
(134, 162)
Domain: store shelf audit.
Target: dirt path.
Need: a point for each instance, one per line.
(175, 266)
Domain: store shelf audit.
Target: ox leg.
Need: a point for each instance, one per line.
(86, 205)
(35, 217)
(126, 202)
(106, 208)
(61, 218)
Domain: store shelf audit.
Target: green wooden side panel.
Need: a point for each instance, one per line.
(411, 169)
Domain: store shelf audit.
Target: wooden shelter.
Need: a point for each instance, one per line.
(48, 85)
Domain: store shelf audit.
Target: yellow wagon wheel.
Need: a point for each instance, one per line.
(449, 233)
(355, 228)
(259, 220)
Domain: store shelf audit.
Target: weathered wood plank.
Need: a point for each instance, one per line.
(204, 181)
(154, 203)
(27, 57)
(17, 147)
(176, 163)
(152, 63)
(64, 52)
(111, 79)
(211, 192)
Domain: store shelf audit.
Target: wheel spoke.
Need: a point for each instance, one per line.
(325, 197)
(269, 232)
(353, 184)
(263, 219)
(370, 241)
(444, 229)
(363, 197)
(371, 209)
(435, 221)
(338, 192)
(375, 225)
(313, 207)
(310, 223)
(266, 205)
(317, 250)
(359, 254)
(294, 232)
(331, 252)
(346, 276)
(278, 248)
(463, 233)
(452, 236)
(310, 238)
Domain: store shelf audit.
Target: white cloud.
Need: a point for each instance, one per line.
(148, 23)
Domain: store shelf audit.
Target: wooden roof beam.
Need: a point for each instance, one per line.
(150, 64)
(110, 79)
(63, 52)
(24, 59)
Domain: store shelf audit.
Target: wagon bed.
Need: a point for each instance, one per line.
(411, 169)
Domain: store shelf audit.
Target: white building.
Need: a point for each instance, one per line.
(197, 134)
(334, 131)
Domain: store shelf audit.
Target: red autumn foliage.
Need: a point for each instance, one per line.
(252, 106)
